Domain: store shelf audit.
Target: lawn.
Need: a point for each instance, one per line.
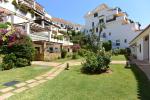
(122, 84)
(22, 74)
(119, 58)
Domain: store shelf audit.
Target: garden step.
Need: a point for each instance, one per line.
(33, 84)
(5, 96)
(20, 85)
(31, 81)
(42, 81)
(50, 78)
(7, 89)
(39, 78)
(20, 90)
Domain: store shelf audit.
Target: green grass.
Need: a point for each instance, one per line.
(67, 59)
(22, 74)
(122, 84)
(119, 58)
(62, 60)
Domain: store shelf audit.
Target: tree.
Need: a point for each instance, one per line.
(107, 45)
(101, 28)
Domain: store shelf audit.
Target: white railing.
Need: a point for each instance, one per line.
(38, 37)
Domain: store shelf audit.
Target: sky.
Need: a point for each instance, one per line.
(74, 10)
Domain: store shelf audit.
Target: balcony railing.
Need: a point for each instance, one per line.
(39, 8)
(28, 3)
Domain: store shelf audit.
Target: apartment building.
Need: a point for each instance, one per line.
(119, 28)
(37, 23)
(66, 25)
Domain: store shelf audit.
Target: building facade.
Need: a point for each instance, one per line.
(140, 45)
(119, 28)
(37, 23)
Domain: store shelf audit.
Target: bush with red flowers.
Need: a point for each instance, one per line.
(14, 43)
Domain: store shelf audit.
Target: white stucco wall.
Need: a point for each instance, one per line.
(140, 54)
(116, 28)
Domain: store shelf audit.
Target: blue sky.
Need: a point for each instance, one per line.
(74, 10)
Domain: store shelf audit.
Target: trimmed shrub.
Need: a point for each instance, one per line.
(82, 52)
(21, 62)
(107, 45)
(75, 56)
(9, 61)
(116, 52)
(63, 53)
(96, 63)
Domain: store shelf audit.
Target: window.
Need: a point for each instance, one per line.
(97, 29)
(125, 40)
(117, 42)
(92, 24)
(96, 14)
(104, 35)
(109, 33)
(62, 25)
(101, 21)
(140, 48)
(110, 18)
(51, 49)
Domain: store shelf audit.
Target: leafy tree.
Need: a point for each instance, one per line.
(107, 45)
(101, 28)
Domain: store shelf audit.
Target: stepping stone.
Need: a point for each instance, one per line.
(33, 85)
(42, 81)
(44, 75)
(20, 90)
(6, 89)
(6, 96)
(50, 78)
(20, 85)
(39, 78)
(31, 81)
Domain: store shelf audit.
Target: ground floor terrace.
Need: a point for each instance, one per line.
(55, 83)
(48, 51)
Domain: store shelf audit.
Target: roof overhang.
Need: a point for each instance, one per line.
(144, 33)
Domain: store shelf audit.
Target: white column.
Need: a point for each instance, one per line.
(27, 28)
(12, 19)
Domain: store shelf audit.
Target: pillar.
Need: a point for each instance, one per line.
(27, 28)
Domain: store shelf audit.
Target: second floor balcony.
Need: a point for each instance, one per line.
(28, 3)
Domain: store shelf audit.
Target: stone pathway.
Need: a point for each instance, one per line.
(144, 66)
(118, 62)
(20, 87)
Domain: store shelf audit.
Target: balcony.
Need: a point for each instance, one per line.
(39, 8)
(37, 37)
(28, 3)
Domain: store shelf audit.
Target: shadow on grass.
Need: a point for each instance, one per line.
(143, 92)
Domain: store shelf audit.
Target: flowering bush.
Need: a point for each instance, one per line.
(15, 41)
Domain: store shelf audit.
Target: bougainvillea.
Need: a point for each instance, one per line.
(10, 35)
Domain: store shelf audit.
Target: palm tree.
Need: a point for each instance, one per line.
(101, 27)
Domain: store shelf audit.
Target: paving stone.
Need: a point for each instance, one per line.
(6, 96)
(20, 90)
(31, 81)
(50, 78)
(20, 85)
(42, 81)
(39, 78)
(33, 84)
(6, 89)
